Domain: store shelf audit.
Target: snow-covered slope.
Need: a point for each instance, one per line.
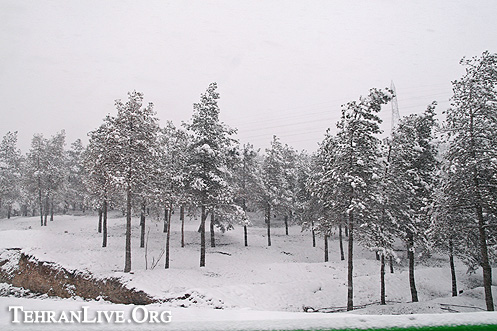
(246, 283)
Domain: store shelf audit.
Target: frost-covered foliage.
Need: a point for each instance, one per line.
(471, 158)
(411, 176)
(211, 156)
(45, 170)
(75, 191)
(10, 172)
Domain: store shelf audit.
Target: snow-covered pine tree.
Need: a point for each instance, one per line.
(75, 192)
(248, 183)
(472, 126)
(10, 172)
(209, 178)
(169, 185)
(44, 171)
(325, 187)
(100, 182)
(289, 197)
(355, 169)
(56, 171)
(134, 144)
(410, 181)
(274, 183)
(308, 206)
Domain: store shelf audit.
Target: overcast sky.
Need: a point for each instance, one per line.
(283, 67)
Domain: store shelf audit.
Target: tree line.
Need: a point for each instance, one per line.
(431, 185)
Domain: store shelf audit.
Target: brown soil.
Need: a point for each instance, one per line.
(54, 280)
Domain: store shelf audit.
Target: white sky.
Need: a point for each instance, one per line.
(283, 67)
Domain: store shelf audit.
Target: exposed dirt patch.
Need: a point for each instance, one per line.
(21, 270)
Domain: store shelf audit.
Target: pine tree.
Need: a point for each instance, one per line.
(273, 180)
(45, 171)
(100, 182)
(354, 171)
(75, 192)
(411, 178)
(133, 145)
(211, 152)
(472, 127)
(247, 183)
(10, 172)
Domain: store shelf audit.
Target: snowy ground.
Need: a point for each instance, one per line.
(256, 286)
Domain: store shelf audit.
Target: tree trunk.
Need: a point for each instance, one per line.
(182, 219)
(51, 210)
(382, 280)
(9, 211)
(166, 217)
(127, 258)
(485, 264)
(168, 236)
(99, 220)
(142, 226)
(245, 230)
(41, 202)
(340, 239)
(46, 211)
(350, 266)
(313, 234)
(202, 237)
(268, 221)
(346, 231)
(286, 225)
(412, 281)
(377, 256)
(452, 269)
(325, 248)
(211, 226)
(245, 235)
(391, 264)
(104, 224)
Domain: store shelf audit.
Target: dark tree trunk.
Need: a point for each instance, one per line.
(325, 248)
(99, 220)
(104, 224)
(142, 226)
(340, 239)
(286, 225)
(245, 231)
(41, 202)
(350, 265)
(46, 211)
(202, 237)
(51, 210)
(382, 280)
(268, 222)
(412, 281)
(485, 264)
(9, 211)
(377, 256)
(313, 234)
(346, 231)
(168, 236)
(452, 269)
(211, 226)
(391, 264)
(166, 217)
(245, 235)
(182, 219)
(127, 258)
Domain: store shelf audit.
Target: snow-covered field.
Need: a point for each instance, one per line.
(253, 287)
